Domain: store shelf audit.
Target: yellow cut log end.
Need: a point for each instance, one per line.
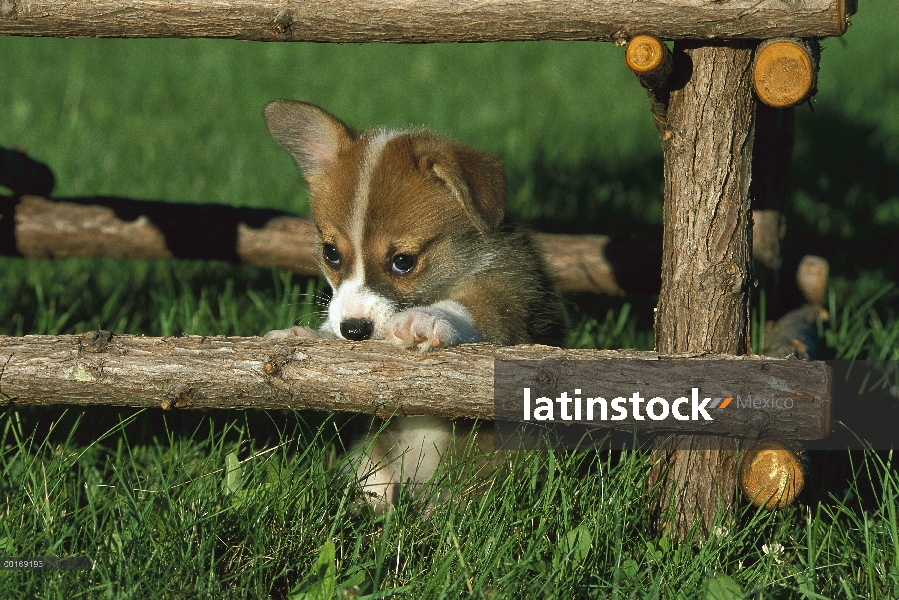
(784, 73)
(644, 54)
(771, 474)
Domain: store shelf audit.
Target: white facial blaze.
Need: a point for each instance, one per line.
(353, 299)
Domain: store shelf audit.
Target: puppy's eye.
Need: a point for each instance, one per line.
(332, 255)
(402, 264)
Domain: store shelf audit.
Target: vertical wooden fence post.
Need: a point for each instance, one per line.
(706, 278)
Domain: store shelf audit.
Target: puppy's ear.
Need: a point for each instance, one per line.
(312, 135)
(478, 182)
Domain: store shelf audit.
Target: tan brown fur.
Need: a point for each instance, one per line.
(530, 311)
(381, 194)
(411, 209)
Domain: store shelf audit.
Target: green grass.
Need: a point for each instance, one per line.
(207, 511)
(248, 504)
(153, 298)
(182, 119)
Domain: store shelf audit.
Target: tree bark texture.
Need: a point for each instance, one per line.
(653, 64)
(704, 302)
(377, 378)
(424, 21)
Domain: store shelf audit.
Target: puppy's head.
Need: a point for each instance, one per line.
(400, 213)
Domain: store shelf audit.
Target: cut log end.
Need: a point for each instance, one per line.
(768, 230)
(811, 278)
(645, 54)
(784, 73)
(772, 473)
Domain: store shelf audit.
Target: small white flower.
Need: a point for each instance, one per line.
(773, 549)
(721, 531)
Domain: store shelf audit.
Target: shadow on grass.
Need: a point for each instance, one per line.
(842, 204)
(844, 195)
(843, 198)
(147, 427)
(590, 197)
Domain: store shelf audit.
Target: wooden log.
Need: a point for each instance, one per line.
(120, 228)
(811, 278)
(706, 256)
(785, 72)
(647, 55)
(768, 229)
(377, 378)
(578, 263)
(653, 64)
(704, 302)
(36, 227)
(426, 21)
(772, 473)
(49, 229)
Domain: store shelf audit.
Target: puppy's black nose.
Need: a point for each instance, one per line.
(356, 329)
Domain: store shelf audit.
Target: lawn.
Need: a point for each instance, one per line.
(255, 504)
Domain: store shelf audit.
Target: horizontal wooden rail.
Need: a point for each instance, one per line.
(36, 227)
(425, 20)
(377, 378)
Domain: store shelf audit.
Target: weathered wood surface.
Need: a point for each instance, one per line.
(578, 263)
(704, 303)
(370, 377)
(424, 21)
(121, 228)
(706, 274)
(653, 64)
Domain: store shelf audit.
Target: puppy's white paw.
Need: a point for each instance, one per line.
(292, 333)
(415, 328)
(440, 325)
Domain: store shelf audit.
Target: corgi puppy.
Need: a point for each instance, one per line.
(413, 244)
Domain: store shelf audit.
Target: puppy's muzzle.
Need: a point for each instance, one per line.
(357, 329)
